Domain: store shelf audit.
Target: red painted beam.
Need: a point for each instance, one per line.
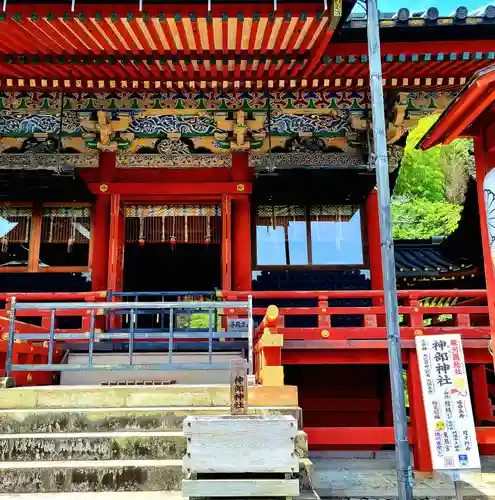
(361, 356)
(342, 436)
(485, 435)
(363, 333)
(474, 347)
(346, 436)
(186, 188)
(355, 294)
(409, 48)
(324, 404)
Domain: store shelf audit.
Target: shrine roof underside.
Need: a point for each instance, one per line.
(153, 47)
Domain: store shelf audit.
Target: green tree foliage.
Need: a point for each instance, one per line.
(430, 190)
(418, 218)
(421, 174)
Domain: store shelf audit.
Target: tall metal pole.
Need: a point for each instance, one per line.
(402, 452)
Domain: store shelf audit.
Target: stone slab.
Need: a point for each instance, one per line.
(93, 446)
(137, 495)
(112, 419)
(149, 358)
(369, 478)
(90, 476)
(140, 396)
(114, 495)
(240, 444)
(235, 488)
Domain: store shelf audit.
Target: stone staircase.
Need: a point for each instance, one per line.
(123, 438)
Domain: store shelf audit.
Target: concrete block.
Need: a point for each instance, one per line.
(7, 382)
(247, 444)
(87, 476)
(141, 396)
(306, 471)
(115, 419)
(301, 444)
(92, 446)
(239, 488)
(191, 377)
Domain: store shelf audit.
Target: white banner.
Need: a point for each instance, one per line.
(447, 402)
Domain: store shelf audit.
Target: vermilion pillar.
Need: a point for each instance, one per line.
(101, 224)
(422, 455)
(374, 248)
(484, 162)
(241, 248)
(241, 225)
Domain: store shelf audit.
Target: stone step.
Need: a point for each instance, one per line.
(93, 446)
(141, 396)
(90, 476)
(121, 495)
(104, 476)
(152, 445)
(115, 419)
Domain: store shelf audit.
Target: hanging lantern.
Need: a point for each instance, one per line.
(208, 230)
(70, 244)
(173, 238)
(5, 244)
(72, 237)
(141, 231)
(173, 242)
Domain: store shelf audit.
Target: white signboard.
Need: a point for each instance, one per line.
(237, 325)
(449, 415)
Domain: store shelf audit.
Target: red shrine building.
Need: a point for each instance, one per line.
(219, 151)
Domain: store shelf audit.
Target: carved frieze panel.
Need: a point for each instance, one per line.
(45, 161)
(214, 122)
(304, 160)
(179, 161)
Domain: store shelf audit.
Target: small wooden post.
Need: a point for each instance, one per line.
(238, 387)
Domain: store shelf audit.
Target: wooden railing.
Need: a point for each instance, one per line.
(268, 343)
(421, 313)
(451, 311)
(44, 317)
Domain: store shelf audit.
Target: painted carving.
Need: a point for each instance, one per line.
(174, 161)
(215, 122)
(287, 124)
(15, 124)
(106, 130)
(47, 161)
(307, 160)
(165, 124)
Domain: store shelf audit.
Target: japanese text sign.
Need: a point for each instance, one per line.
(238, 387)
(449, 414)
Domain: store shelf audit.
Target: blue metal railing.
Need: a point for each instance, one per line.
(169, 335)
(155, 320)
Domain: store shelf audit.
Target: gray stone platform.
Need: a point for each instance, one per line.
(375, 477)
(115, 439)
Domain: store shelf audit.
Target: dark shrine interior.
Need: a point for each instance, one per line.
(161, 267)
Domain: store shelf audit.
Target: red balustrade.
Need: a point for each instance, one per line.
(422, 313)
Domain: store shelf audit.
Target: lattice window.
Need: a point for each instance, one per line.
(296, 235)
(66, 225)
(65, 236)
(15, 225)
(195, 224)
(334, 213)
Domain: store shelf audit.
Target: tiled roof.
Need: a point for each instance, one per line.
(423, 258)
(431, 16)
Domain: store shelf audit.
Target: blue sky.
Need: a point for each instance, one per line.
(446, 7)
